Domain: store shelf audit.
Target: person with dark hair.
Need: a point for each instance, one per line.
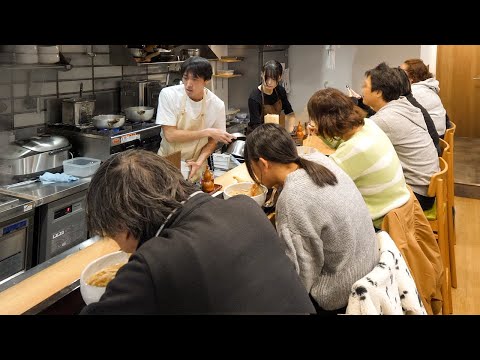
(192, 117)
(330, 241)
(363, 151)
(405, 126)
(425, 89)
(406, 90)
(192, 253)
(269, 98)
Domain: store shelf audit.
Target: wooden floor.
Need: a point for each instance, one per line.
(466, 298)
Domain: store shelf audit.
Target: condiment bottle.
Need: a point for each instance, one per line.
(299, 132)
(207, 181)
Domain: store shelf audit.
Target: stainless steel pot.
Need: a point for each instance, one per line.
(139, 113)
(187, 53)
(108, 121)
(76, 111)
(33, 156)
(236, 147)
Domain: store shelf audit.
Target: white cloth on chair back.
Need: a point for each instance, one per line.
(389, 288)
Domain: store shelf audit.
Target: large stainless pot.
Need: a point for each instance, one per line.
(139, 113)
(108, 121)
(35, 155)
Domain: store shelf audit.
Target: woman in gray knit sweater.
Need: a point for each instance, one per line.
(320, 215)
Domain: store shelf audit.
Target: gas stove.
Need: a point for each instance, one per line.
(101, 143)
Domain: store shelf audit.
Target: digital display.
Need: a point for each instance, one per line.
(62, 212)
(19, 225)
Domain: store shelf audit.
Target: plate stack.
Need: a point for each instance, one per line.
(26, 54)
(48, 54)
(7, 54)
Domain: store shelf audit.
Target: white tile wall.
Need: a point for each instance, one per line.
(74, 48)
(110, 83)
(101, 59)
(74, 86)
(108, 71)
(29, 119)
(36, 89)
(101, 49)
(76, 73)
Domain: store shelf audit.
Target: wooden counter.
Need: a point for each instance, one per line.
(23, 296)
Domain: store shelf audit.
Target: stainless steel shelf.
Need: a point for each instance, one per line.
(159, 63)
(35, 66)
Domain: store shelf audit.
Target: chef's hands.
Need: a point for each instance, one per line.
(220, 135)
(194, 167)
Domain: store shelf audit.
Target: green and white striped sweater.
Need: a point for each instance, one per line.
(369, 158)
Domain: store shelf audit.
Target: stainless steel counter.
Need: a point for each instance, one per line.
(45, 193)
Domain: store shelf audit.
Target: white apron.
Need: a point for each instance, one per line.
(190, 149)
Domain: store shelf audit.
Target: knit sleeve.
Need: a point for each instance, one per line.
(306, 253)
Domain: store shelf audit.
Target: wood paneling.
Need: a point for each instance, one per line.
(457, 66)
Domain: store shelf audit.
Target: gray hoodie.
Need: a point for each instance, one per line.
(404, 125)
(426, 93)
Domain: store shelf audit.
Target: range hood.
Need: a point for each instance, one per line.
(121, 55)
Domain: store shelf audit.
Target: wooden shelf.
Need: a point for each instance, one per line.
(226, 76)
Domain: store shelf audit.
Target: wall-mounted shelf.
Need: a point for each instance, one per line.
(159, 63)
(36, 66)
(226, 76)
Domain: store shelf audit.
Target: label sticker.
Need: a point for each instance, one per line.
(27, 207)
(129, 137)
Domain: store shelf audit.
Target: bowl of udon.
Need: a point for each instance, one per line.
(255, 191)
(97, 274)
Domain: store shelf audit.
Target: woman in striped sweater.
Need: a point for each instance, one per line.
(363, 151)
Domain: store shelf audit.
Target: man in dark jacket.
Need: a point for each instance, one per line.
(192, 253)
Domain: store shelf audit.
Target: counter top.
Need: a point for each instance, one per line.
(48, 281)
(45, 193)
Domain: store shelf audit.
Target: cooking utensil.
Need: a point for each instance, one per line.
(139, 113)
(77, 111)
(108, 121)
(236, 148)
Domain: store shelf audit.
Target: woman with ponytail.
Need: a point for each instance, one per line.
(320, 215)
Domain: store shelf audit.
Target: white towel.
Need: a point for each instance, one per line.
(286, 80)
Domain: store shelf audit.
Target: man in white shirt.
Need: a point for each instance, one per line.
(192, 117)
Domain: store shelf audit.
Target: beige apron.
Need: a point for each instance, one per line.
(274, 109)
(190, 149)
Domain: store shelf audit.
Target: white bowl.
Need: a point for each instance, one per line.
(225, 72)
(260, 199)
(7, 48)
(26, 58)
(26, 49)
(7, 58)
(48, 58)
(48, 49)
(305, 150)
(91, 294)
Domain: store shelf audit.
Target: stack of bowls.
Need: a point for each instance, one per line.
(26, 54)
(48, 54)
(7, 54)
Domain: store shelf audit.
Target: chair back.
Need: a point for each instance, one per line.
(450, 134)
(438, 189)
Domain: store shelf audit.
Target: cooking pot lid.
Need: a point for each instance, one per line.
(44, 143)
(13, 152)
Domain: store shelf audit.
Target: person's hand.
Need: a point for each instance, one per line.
(194, 166)
(312, 129)
(220, 135)
(352, 93)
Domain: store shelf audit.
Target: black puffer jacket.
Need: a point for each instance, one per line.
(216, 256)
